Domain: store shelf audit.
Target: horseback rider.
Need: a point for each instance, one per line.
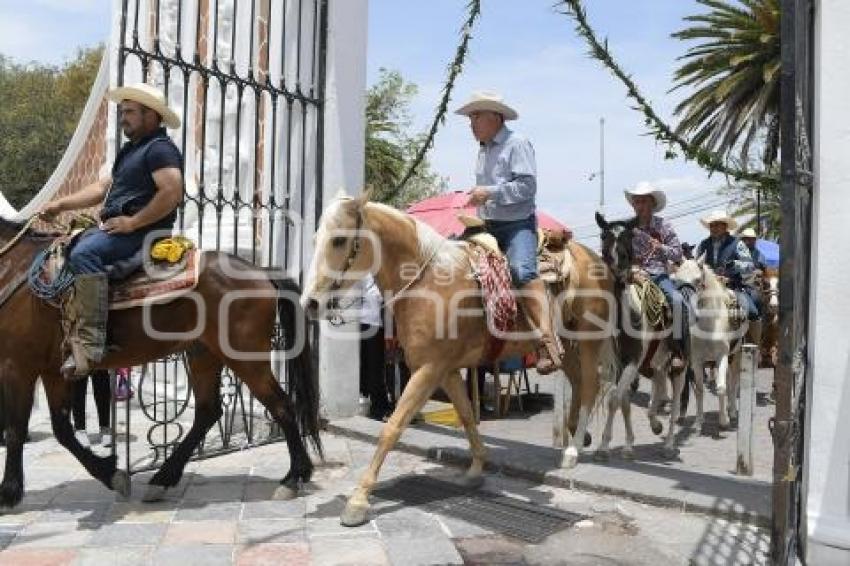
(749, 238)
(139, 199)
(655, 248)
(730, 259)
(506, 185)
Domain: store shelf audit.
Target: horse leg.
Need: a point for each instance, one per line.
(422, 383)
(655, 400)
(615, 400)
(678, 385)
(16, 407)
(454, 388)
(204, 378)
(734, 381)
(626, 409)
(697, 368)
(572, 369)
(60, 393)
(588, 361)
(722, 392)
(258, 376)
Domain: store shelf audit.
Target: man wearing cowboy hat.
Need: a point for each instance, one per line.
(730, 258)
(749, 238)
(655, 247)
(139, 198)
(506, 184)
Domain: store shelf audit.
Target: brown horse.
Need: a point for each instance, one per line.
(437, 308)
(227, 320)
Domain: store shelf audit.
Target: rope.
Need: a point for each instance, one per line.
(652, 300)
(42, 287)
(18, 236)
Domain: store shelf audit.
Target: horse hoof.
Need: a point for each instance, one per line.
(284, 493)
(628, 454)
(121, 483)
(657, 428)
(354, 515)
(570, 458)
(471, 481)
(601, 456)
(669, 452)
(588, 440)
(154, 493)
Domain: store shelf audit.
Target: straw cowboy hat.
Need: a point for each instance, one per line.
(149, 96)
(644, 188)
(489, 101)
(748, 233)
(719, 216)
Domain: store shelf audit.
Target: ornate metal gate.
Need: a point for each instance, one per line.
(797, 101)
(247, 77)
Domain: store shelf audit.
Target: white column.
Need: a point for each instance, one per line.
(343, 169)
(828, 438)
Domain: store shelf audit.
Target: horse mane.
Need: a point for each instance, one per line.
(444, 253)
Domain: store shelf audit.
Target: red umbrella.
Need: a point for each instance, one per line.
(440, 212)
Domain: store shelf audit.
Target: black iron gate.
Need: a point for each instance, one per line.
(797, 103)
(247, 77)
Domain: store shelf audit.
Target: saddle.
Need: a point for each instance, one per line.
(160, 273)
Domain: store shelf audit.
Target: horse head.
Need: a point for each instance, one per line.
(617, 248)
(343, 254)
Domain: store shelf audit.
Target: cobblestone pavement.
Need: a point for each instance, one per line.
(222, 513)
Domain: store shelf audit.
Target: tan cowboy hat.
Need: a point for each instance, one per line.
(470, 221)
(489, 101)
(149, 96)
(645, 188)
(719, 216)
(748, 233)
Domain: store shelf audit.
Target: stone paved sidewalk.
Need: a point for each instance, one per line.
(221, 513)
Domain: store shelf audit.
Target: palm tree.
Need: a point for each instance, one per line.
(735, 71)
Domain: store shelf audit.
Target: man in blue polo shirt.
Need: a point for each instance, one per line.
(506, 185)
(139, 200)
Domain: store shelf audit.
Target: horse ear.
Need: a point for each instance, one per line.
(701, 260)
(366, 195)
(600, 221)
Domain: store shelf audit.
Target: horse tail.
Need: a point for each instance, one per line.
(610, 368)
(301, 376)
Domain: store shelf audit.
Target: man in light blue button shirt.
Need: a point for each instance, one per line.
(506, 184)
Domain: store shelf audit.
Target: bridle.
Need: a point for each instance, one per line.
(334, 308)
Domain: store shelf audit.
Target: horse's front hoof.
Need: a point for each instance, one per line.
(657, 428)
(628, 454)
(120, 483)
(11, 494)
(474, 481)
(154, 493)
(669, 452)
(354, 515)
(284, 493)
(570, 458)
(602, 455)
(588, 440)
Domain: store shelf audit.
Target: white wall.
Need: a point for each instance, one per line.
(828, 466)
(343, 169)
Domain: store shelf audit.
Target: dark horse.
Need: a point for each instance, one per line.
(213, 331)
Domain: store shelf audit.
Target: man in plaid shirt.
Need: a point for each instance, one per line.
(655, 247)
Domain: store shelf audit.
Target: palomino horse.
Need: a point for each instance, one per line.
(213, 332)
(714, 339)
(438, 315)
(641, 343)
(770, 300)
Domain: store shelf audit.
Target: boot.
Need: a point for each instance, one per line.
(84, 320)
(548, 354)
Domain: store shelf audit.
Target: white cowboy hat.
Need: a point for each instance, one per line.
(719, 216)
(149, 96)
(489, 101)
(644, 188)
(748, 233)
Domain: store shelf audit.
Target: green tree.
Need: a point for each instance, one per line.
(41, 107)
(390, 147)
(734, 70)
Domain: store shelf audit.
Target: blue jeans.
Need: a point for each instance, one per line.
(748, 300)
(518, 239)
(678, 305)
(95, 250)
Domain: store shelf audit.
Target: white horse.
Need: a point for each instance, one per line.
(714, 339)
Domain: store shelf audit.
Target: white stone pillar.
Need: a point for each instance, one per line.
(828, 432)
(343, 169)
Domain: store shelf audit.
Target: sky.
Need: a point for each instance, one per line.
(523, 49)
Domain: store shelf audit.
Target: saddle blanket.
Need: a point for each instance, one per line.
(158, 282)
(500, 305)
